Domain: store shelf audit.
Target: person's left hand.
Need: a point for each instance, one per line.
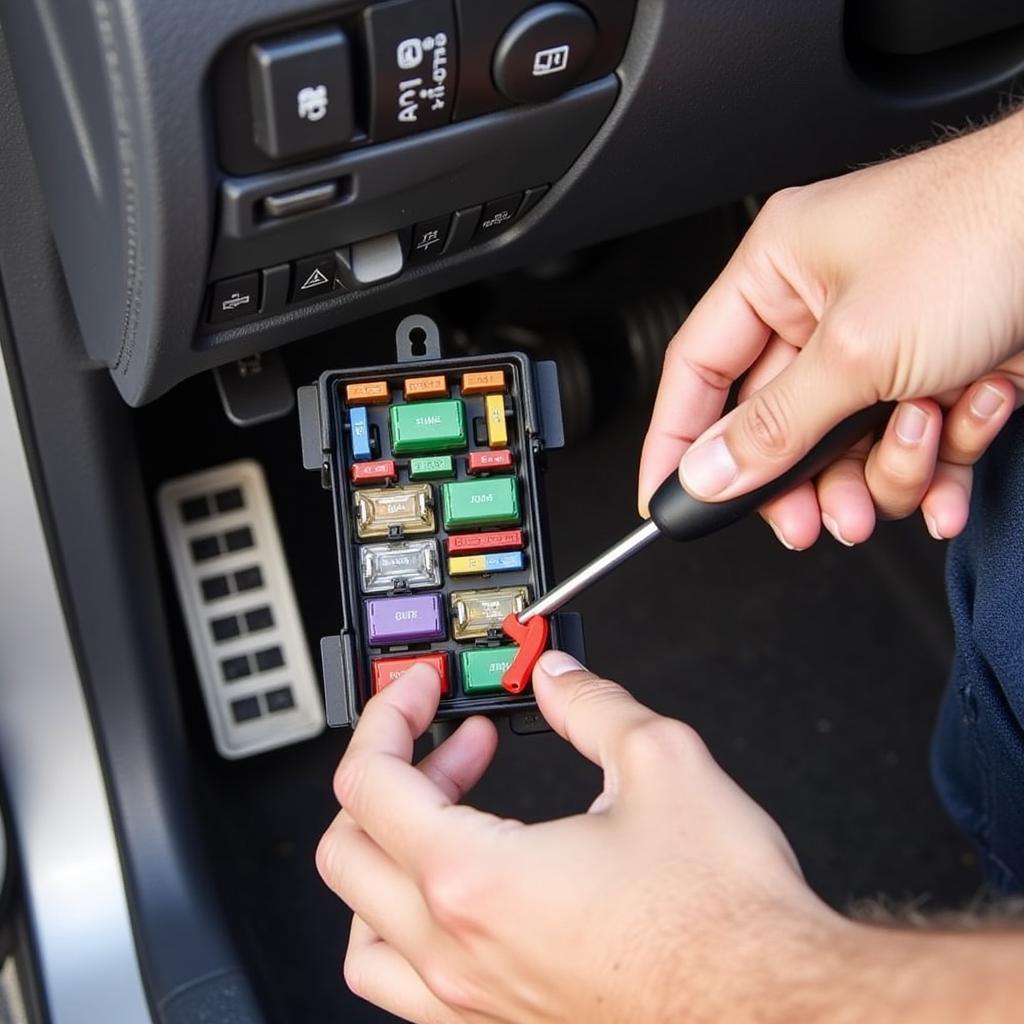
(674, 898)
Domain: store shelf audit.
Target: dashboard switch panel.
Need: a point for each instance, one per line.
(413, 63)
(301, 91)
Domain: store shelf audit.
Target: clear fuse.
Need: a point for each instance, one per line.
(406, 564)
(378, 510)
(476, 613)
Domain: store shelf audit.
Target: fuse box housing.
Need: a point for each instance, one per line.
(508, 539)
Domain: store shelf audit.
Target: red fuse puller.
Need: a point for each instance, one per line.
(532, 639)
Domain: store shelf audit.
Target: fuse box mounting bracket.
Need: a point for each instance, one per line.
(417, 337)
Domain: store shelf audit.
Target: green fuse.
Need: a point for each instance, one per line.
(493, 501)
(421, 427)
(430, 467)
(483, 667)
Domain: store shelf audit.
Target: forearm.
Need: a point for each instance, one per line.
(851, 972)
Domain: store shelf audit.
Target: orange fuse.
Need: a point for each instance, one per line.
(426, 387)
(368, 392)
(481, 382)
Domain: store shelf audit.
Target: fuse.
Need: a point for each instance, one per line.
(369, 392)
(485, 462)
(422, 427)
(412, 563)
(373, 472)
(481, 382)
(496, 540)
(475, 613)
(497, 428)
(430, 467)
(472, 565)
(379, 510)
(359, 434)
(408, 619)
(490, 502)
(387, 670)
(425, 387)
(483, 669)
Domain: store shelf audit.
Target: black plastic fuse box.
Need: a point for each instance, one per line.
(436, 472)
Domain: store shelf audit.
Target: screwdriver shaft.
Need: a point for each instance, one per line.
(580, 580)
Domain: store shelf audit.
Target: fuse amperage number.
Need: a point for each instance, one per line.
(435, 476)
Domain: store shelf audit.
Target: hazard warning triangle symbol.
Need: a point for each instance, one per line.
(317, 277)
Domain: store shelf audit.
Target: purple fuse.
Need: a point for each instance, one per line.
(404, 620)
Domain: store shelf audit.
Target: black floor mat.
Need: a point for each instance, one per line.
(814, 678)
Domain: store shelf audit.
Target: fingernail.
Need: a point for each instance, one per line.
(911, 422)
(833, 527)
(558, 663)
(708, 468)
(781, 536)
(987, 401)
(933, 527)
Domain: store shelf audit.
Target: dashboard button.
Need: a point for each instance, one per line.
(312, 276)
(234, 298)
(497, 215)
(301, 87)
(428, 238)
(372, 260)
(543, 52)
(412, 60)
(463, 228)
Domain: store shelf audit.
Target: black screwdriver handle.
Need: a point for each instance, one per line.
(681, 516)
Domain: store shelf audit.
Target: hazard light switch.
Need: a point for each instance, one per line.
(312, 276)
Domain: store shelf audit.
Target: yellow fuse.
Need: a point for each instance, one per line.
(475, 613)
(466, 565)
(379, 509)
(497, 428)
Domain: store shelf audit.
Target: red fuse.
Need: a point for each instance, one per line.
(373, 472)
(483, 462)
(497, 540)
(387, 670)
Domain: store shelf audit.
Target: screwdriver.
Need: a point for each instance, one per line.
(678, 514)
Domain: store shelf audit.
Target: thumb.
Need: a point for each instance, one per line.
(593, 714)
(774, 427)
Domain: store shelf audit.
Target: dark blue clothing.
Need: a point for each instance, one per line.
(978, 747)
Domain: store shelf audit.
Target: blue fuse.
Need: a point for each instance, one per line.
(471, 565)
(359, 433)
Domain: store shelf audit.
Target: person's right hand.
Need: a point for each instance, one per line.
(903, 281)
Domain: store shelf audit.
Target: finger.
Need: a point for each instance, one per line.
(975, 420)
(397, 805)
(599, 717)
(378, 973)
(847, 511)
(946, 505)
(777, 425)
(458, 764)
(777, 355)
(720, 338)
(794, 517)
(367, 880)
(900, 467)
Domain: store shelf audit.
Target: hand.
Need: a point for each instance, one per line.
(675, 898)
(902, 281)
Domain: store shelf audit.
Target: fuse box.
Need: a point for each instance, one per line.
(436, 472)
